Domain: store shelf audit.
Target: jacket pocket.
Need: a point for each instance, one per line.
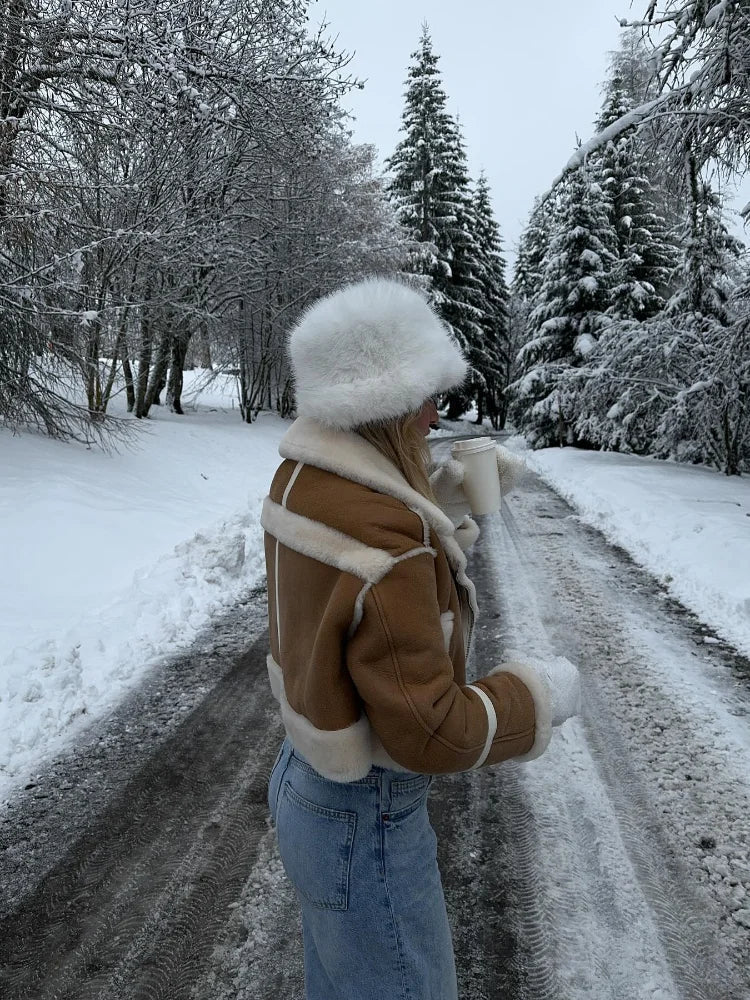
(315, 844)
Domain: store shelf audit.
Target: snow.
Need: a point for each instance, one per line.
(589, 258)
(716, 13)
(112, 561)
(584, 344)
(466, 426)
(623, 124)
(688, 525)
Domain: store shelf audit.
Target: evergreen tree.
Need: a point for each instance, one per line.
(533, 247)
(676, 385)
(459, 297)
(568, 313)
(430, 187)
(631, 62)
(531, 259)
(709, 264)
(646, 258)
(491, 355)
(418, 165)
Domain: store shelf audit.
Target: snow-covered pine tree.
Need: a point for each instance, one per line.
(703, 419)
(732, 393)
(631, 62)
(568, 313)
(430, 186)
(490, 358)
(673, 386)
(531, 259)
(460, 296)
(533, 247)
(646, 257)
(700, 59)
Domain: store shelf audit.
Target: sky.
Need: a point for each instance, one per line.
(523, 78)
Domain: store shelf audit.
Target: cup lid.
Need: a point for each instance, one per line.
(473, 444)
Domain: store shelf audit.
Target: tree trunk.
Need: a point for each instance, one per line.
(107, 394)
(144, 358)
(93, 381)
(480, 408)
(127, 372)
(204, 345)
(180, 344)
(159, 373)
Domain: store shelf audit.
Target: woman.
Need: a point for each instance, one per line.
(371, 616)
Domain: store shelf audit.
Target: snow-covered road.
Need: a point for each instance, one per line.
(635, 825)
(617, 867)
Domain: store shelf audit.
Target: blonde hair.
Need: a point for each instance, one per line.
(401, 441)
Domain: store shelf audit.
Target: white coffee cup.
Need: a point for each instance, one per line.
(481, 479)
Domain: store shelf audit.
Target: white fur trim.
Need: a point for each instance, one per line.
(325, 544)
(348, 455)
(275, 677)
(457, 560)
(446, 623)
(359, 610)
(382, 758)
(360, 602)
(491, 723)
(338, 754)
(542, 705)
(371, 350)
(466, 533)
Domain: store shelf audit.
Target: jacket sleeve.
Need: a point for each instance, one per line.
(425, 720)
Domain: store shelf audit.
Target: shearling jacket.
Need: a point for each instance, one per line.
(371, 616)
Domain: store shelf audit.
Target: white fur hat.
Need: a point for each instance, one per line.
(372, 350)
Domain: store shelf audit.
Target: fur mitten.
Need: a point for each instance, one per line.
(466, 533)
(446, 482)
(560, 679)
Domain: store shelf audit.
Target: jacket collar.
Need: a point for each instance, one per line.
(347, 454)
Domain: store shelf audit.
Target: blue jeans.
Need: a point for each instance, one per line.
(361, 856)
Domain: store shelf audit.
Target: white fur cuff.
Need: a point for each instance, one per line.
(466, 533)
(542, 705)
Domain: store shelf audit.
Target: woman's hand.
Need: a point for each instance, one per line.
(447, 485)
(560, 679)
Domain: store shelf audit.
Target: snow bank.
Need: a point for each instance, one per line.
(688, 526)
(111, 561)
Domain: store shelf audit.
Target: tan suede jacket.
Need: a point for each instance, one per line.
(370, 619)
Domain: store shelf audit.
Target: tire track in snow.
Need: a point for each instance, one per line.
(135, 907)
(258, 954)
(482, 829)
(565, 878)
(609, 811)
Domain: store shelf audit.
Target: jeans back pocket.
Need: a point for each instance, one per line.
(315, 844)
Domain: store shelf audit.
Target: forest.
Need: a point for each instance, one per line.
(178, 182)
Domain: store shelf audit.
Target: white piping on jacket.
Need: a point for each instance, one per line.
(491, 724)
(287, 491)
